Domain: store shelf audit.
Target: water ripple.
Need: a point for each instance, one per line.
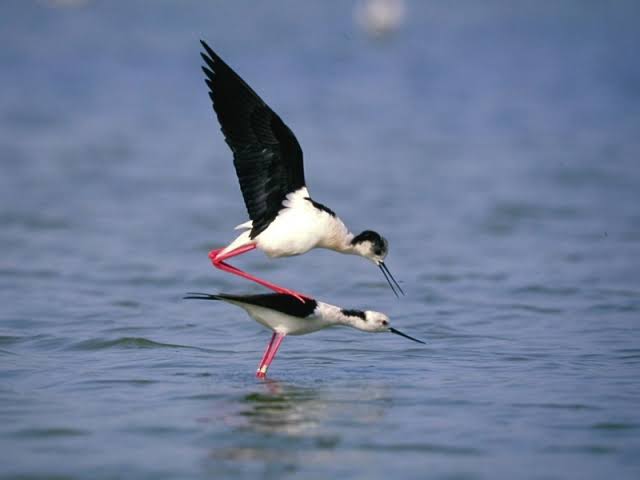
(424, 448)
(558, 406)
(45, 432)
(124, 342)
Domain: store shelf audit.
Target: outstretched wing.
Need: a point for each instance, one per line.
(266, 154)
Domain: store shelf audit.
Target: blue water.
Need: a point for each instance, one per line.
(495, 144)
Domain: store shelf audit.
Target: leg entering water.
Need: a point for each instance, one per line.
(218, 261)
(269, 354)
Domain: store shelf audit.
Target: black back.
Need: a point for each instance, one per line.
(321, 207)
(266, 154)
(280, 302)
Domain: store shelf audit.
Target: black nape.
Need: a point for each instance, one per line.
(353, 313)
(378, 242)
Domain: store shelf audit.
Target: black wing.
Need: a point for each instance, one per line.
(281, 302)
(266, 154)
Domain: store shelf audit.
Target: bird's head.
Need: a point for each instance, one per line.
(374, 322)
(372, 245)
(367, 321)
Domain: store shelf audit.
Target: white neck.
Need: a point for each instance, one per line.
(338, 237)
(345, 246)
(334, 316)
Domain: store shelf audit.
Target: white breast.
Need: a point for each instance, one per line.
(299, 227)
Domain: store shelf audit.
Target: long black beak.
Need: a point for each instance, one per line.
(387, 275)
(398, 332)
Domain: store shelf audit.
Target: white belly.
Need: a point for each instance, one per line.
(285, 324)
(291, 233)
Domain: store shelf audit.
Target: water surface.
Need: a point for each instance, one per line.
(494, 145)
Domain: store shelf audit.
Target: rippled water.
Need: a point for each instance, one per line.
(494, 144)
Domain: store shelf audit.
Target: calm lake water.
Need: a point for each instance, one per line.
(495, 144)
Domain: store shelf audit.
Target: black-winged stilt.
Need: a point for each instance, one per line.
(285, 221)
(285, 315)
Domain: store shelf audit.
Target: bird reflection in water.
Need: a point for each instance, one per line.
(281, 426)
(277, 429)
(284, 409)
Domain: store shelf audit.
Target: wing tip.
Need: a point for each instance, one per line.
(206, 46)
(211, 57)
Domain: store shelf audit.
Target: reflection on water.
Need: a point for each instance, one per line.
(278, 426)
(278, 408)
(283, 409)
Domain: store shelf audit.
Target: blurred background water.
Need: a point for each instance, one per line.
(495, 144)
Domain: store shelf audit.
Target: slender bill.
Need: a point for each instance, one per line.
(398, 332)
(389, 278)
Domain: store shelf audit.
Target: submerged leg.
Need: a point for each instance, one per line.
(217, 259)
(269, 354)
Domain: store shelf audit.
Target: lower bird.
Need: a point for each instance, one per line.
(285, 315)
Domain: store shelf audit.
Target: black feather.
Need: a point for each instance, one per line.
(266, 155)
(321, 207)
(280, 302)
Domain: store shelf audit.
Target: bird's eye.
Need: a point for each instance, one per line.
(385, 323)
(377, 251)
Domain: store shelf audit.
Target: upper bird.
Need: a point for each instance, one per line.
(284, 219)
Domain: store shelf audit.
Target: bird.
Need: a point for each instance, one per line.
(380, 18)
(285, 315)
(283, 218)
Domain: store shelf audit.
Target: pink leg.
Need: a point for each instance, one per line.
(267, 350)
(269, 354)
(218, 261)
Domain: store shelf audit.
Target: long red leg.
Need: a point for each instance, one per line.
(266, 353)
(269, 354)
(218, 261)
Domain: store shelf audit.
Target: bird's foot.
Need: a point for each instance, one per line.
(213, 255)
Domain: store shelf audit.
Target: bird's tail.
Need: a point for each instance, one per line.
(245, 226)
(243, 239)
(201, 296)
(210, 296)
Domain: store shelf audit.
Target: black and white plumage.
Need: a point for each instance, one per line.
(266, 154)
(284, 219)
(285, 315)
